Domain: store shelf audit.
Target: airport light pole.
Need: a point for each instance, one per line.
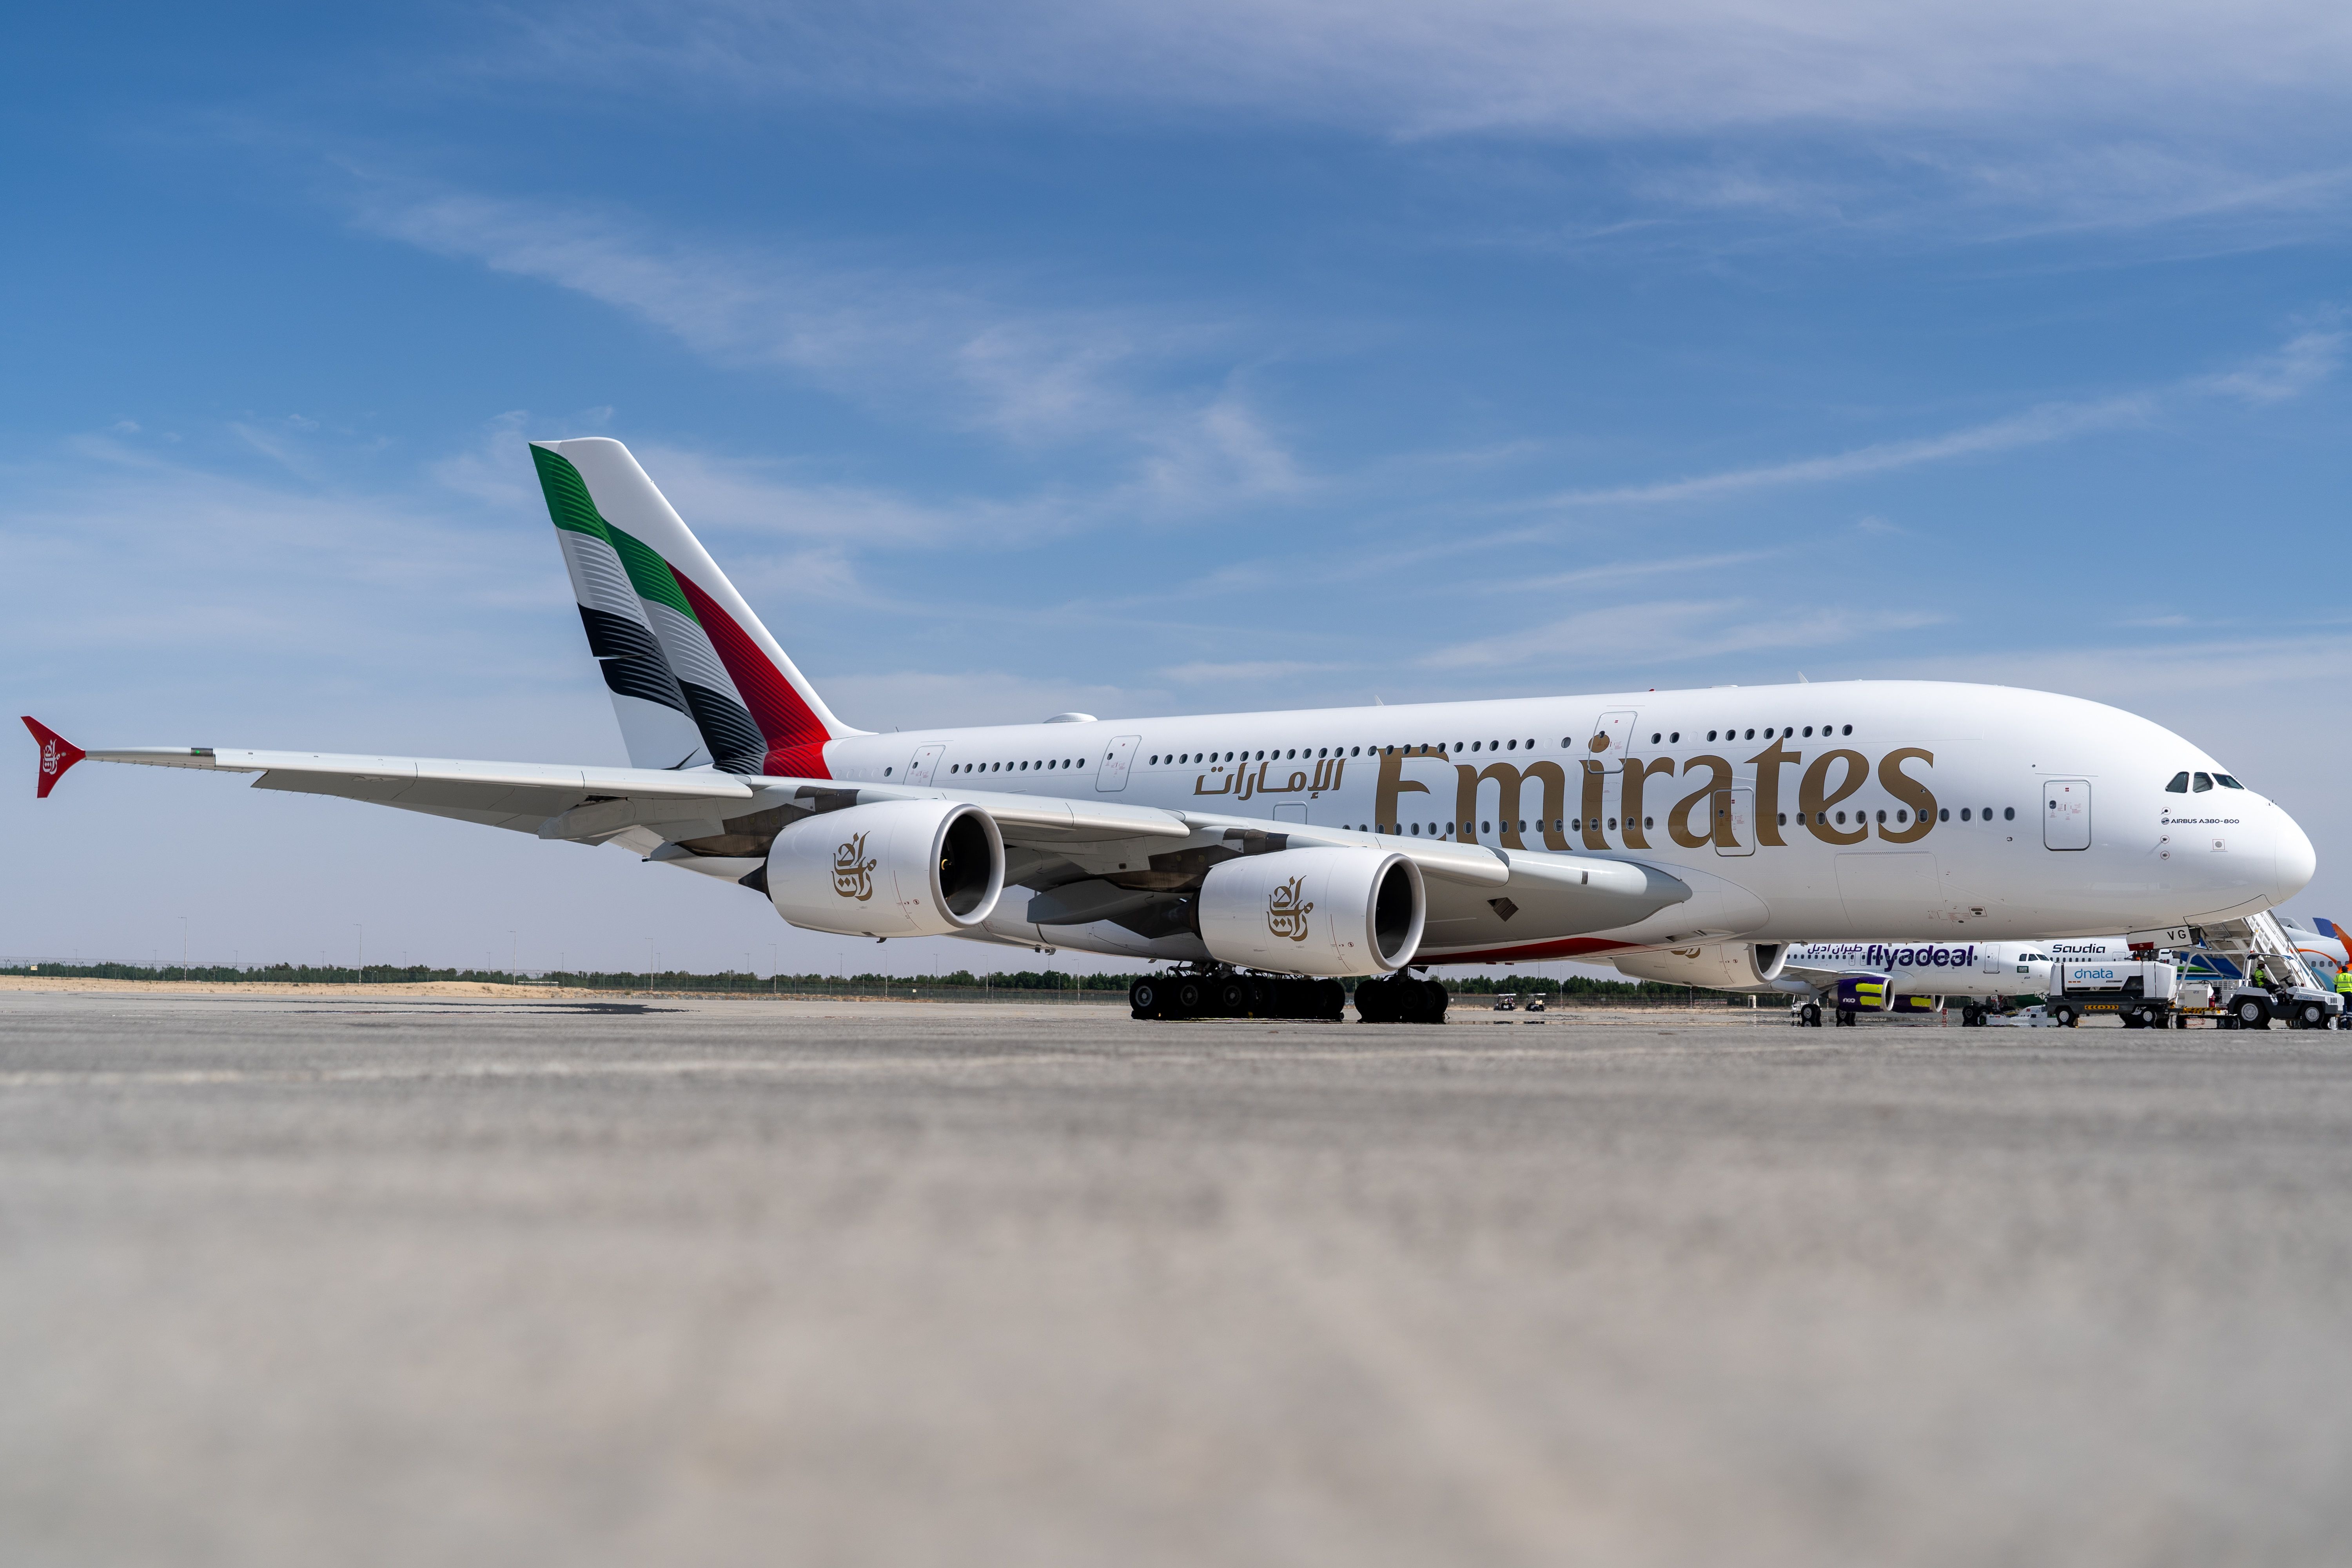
(183, 950)
(363, 949)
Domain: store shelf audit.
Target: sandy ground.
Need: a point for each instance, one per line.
(428, 1278)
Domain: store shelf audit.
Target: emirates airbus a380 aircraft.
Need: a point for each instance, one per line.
(1710, 827)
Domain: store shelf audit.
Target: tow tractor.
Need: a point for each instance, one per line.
(2223, 968)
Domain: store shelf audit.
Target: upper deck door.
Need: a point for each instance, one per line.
(918, 771)
(2065, 813)
(1612, 737)
(1117, 758)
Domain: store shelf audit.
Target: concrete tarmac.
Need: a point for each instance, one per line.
(405, 1279)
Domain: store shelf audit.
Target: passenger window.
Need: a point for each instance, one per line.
(2202, 782)
(2179, 784)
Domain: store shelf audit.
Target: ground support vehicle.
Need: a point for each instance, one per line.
(1507, 1001)
(2139, 994)
(2236, 952)
(2249, 1006)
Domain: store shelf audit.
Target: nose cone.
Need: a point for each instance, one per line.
(2296, 860)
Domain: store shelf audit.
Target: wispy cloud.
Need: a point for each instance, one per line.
(1674, 631)
(2102, 113)
(2302, 363)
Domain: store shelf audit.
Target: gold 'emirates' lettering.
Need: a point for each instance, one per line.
(1718, 777)
(1708, 776)
(1390, 784)
(1767, 763)
(1910, 791)
(1509, 782)
(1637, 774)
(1815, 804)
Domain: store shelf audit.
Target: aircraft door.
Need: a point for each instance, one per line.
(1987, 961)
(1612, 736)
(1734, 821)
(2065, 813)
(1291, 811)
(1117, 758)
(918, 771)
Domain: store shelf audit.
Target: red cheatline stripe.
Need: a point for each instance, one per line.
(795, 734)
(1563, 947)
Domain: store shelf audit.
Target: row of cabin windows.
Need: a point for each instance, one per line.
(2183, 782)
(1783, 732)
(1013, 767)
(1576, 825)
(1439, 748)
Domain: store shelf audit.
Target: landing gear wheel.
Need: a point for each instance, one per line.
(1376, 1001)
(1188, 999)
(1233, 998)
(1971, 1018)
(1145, 997)
(1845, 1019)
(1812, 1014)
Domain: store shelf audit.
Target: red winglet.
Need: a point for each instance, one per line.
(58, 754)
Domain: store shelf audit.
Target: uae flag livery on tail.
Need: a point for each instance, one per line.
(696, 679)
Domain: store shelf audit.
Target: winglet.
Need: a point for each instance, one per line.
(58, 754)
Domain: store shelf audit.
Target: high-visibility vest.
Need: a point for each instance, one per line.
(2344, 981)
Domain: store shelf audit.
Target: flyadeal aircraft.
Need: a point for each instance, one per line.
(1267, 854)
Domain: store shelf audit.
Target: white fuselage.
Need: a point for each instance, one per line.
(1946, 968)
(1807, 813)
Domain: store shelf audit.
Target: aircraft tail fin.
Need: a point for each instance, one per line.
(58, 754)
(696, 680)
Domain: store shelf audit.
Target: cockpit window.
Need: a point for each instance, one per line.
(2204, 781)
(2226, 782)
(2179, 784)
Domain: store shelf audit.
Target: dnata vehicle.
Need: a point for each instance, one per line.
(1311, 845)
(1842, 978)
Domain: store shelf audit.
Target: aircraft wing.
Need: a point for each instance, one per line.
(717, 822)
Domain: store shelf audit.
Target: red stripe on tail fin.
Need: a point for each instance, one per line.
(58, 754)
(795, 735)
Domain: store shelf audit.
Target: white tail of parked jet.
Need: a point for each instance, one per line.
(696, 678)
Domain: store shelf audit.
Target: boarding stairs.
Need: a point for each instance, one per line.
(2261, 937)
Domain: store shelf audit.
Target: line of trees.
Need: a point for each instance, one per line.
(1022, 980)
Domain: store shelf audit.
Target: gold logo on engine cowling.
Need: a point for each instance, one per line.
(853, 874)
(1286, 908)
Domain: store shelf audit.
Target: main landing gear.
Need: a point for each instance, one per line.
(1400, 999)
(1226, 995)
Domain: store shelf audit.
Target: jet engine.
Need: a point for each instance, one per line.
(900, 868)
(1314, 911)
(1723, 966)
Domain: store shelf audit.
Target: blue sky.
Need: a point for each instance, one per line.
(1135, 359)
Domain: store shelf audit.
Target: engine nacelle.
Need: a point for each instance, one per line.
(897, 868)
(1723, 966)
(1314, 911)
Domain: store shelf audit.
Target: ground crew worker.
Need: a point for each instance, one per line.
(2261, 976)
(2344, 985)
